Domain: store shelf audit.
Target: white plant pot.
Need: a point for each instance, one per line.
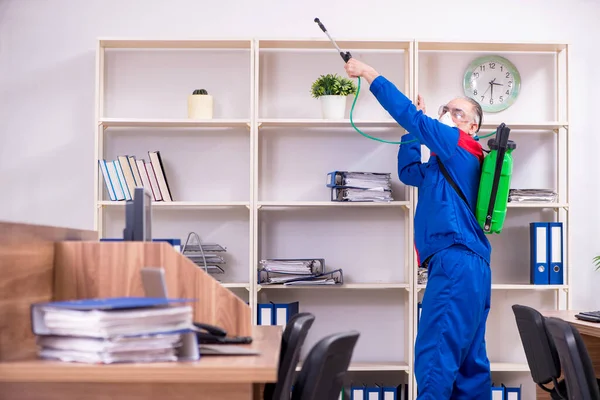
(200, 106)
(333, 107)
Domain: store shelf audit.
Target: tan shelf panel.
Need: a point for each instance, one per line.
(300, 204)
(183, 204)
(524, 286)
(490, 46)
(325, 123)
(536, 205)
(172, 123)
(236, 285)
(365, 367)
(549, 125)
(357, 286)
(324, 43)
(132, 43)
(509, 367)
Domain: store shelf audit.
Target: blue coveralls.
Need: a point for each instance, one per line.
(450, 353)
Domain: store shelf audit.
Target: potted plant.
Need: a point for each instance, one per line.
(200, 105)
(332, 90)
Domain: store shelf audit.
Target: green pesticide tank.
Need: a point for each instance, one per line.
(494, 184)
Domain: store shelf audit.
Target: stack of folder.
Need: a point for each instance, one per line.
(503, 392)
(532, 195)
(112, 330)
(377, 392)
(297, 271)
(546, 253)
(360, 186)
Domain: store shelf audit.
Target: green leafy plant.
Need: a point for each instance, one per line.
(200, 91)
(597, 262)
(332, 84)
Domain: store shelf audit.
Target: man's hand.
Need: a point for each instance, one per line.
(356, 68)
(421, 104)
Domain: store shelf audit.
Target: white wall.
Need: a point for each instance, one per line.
(47, 83)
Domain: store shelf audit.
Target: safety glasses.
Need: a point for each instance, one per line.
(457, 113)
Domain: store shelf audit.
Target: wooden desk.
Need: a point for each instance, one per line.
(590, 333)
(212, 377)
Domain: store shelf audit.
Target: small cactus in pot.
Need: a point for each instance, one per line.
(200, 105)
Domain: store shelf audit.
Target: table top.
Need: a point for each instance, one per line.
(210, 368)
(584, 327)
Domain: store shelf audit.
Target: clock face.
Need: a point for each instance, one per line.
(493, 82)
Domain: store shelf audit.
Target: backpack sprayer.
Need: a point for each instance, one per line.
(496, 172)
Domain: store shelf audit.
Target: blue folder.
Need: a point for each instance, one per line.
(555, 253)
(538, 253)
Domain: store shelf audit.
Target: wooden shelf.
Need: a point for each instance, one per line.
(142, 43)
(236, 285)
(348, 286)
(181, 204)
(301, 204)
(490, 46)
(519, 286)
(324, 123)
(509, 367)
(536, 205)
(533, 126)
(325, 44)
(374, 367)
(172, 123)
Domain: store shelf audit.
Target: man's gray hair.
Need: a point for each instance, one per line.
(478, 111)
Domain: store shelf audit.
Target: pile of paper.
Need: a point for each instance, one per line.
(360, 186)
(297, 272)
(111, 330)
(532, 195)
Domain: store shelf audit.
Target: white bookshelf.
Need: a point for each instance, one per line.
(253, 177)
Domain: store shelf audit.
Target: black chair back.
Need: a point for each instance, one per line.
(292, 339)
(578, 370)
(540, 351)
(323, 371)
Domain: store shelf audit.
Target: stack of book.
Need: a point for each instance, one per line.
(360, 186)
(297, 271)
(123, 175)
(112, 330)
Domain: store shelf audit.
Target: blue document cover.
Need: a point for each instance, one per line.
(114, 303)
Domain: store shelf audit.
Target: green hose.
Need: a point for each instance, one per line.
(382, 140)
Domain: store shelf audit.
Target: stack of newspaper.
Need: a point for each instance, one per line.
(360, 186)
(532, 195)
(113, 330)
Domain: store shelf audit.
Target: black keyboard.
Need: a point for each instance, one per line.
(591, 316)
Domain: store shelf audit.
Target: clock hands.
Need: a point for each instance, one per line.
(492, 83)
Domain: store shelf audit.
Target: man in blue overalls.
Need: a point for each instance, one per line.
(450, 352)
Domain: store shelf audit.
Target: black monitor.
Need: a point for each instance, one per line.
(138, 217)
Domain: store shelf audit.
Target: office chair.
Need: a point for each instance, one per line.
(579, 373)
(322, 374)
(540, 352)
(292, 339)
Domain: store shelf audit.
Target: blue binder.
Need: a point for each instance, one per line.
(282, 312)
(399, 392)
(265, 314)
(373, 392)
(512, 393)
(555, 257)
(498, 393)
(538, 253)
(357, 392)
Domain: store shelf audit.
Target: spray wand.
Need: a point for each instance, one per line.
(346, 56)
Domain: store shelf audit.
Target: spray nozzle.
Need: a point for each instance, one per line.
(346, 56)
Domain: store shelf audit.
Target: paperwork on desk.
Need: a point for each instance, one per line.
(112, 330)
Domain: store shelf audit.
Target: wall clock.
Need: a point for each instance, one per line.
(493, 81)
